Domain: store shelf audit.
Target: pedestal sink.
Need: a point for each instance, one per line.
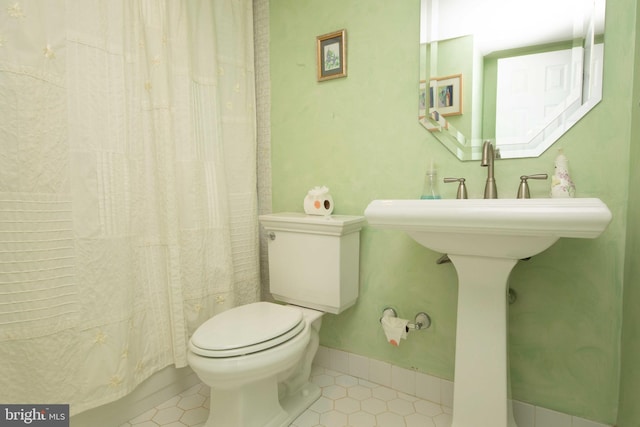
(485, 239)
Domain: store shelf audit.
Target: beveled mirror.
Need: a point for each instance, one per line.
(519, 73)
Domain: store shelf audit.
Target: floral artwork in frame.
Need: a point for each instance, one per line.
(446, 95)
(332, 55)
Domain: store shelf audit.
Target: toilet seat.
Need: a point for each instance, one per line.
(254, 327)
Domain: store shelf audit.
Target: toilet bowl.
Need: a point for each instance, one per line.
(259, 377)
(257, 357)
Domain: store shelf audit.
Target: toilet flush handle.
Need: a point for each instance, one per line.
(272, 235)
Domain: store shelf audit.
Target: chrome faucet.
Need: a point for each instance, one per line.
(488, 157)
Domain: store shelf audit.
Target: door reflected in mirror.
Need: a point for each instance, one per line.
(515, 73)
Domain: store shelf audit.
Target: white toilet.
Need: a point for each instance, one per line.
(257, 358)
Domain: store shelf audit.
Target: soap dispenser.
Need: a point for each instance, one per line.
(430, 188)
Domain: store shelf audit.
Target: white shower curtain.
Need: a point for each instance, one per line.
(127, 188)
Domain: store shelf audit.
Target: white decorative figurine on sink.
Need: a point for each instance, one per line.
(561, 183)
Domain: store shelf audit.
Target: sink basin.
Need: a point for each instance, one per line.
(484, 240)
(505, 228)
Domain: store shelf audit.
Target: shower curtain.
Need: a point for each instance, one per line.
(127, 188)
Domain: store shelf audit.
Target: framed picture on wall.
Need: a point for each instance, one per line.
(422, 99)
(332, 55)
(446, 95)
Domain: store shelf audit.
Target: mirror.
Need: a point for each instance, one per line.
(519, 73)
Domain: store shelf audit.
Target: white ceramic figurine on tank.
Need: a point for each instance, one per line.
(318, 201)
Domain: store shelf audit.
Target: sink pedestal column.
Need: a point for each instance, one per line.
(481, 391)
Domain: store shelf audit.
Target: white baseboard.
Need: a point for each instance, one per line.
(434, 389)
(157, 389)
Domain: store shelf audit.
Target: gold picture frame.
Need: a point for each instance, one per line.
(332, 55)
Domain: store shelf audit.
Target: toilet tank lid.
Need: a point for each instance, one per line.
(329, 224)
(246, 325)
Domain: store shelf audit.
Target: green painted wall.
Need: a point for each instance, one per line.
(360, 137)
(629, 415)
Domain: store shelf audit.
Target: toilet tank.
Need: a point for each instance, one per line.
(314, 261)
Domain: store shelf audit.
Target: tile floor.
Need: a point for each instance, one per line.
(345, 401)
(189, 408)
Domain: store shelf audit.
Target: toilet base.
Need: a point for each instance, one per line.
(297, 403)
(241, 398)
(257, 405)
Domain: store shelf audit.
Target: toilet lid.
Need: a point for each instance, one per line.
(246, 329)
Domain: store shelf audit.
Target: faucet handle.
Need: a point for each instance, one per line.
(523, 188)
(462, 188)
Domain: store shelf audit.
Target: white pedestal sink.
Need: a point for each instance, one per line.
(485, 239)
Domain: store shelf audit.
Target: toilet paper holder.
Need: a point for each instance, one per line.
(422, 319)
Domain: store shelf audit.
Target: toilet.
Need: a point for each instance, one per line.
(257, 357)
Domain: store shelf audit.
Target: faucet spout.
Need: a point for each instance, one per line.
(488, 157)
